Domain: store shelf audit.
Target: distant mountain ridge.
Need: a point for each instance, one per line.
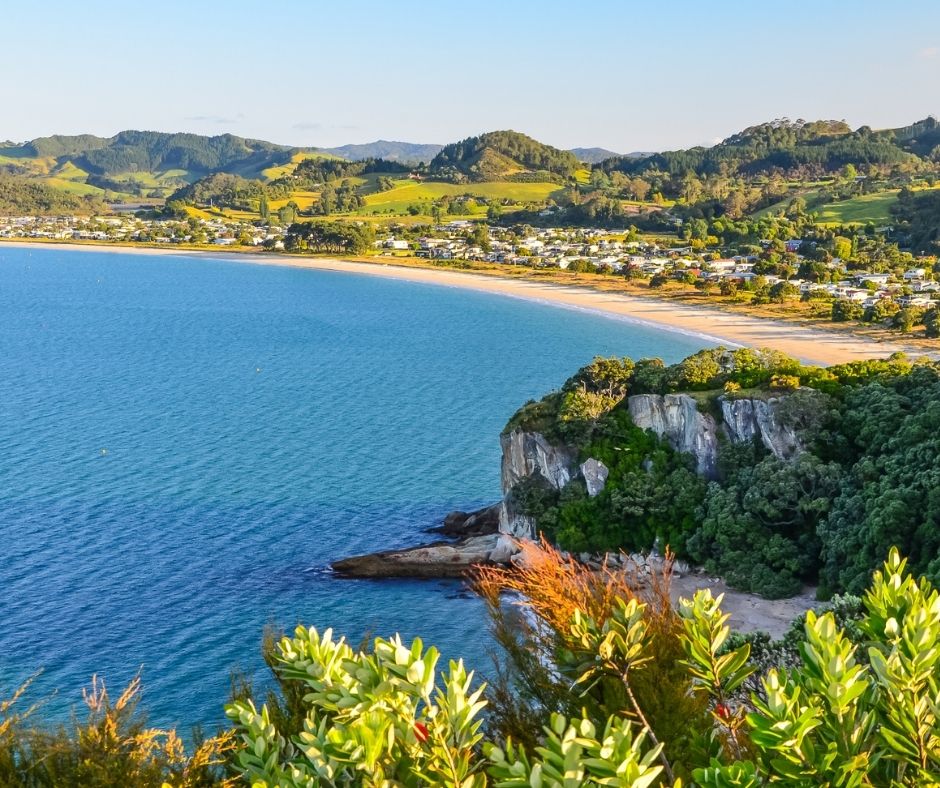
(412, 153)
(594, 155)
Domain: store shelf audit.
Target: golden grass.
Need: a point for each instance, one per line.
(553, 586)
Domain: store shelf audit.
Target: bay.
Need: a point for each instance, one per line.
(186, 443)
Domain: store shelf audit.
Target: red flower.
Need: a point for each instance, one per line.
(723, 711)
(421, 732)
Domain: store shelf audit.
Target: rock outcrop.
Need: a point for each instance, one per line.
(677, 419)
(478, 542)
(529, 455)
(463, 524)
(747, 418)
(595, 475)
(437, 559)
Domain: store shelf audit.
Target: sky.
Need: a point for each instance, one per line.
(626, 75)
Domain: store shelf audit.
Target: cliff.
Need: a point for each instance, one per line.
(746, 418)
(529, 455)
(676, 418)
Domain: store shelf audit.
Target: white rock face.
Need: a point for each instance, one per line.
(677, 419)
(528, 454)
(673, 417)
(595, 475)
(747, 419)
(503, 550)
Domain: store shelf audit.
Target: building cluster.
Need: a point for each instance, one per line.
(545, 248)
(606, 251)
(128, 228)
(603, 250)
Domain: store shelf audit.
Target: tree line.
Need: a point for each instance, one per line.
(333, 237)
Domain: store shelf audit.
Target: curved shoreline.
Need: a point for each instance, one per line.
(714, 326)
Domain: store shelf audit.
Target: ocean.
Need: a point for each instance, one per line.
(187, 442)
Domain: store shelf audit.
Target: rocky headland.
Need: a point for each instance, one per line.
(475, 539)
(491, 535)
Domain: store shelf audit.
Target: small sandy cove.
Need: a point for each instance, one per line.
(809, 344)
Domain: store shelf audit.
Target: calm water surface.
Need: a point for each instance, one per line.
(185, 443)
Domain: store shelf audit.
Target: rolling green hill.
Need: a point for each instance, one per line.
(152, 151)
(500, 155)
(406, 193)
(140, 164)
(20, 197)
(771, 163)
(796, 148)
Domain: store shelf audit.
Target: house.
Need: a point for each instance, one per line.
(855, 294)
(915, 300)
(878, 280)
(722, 266)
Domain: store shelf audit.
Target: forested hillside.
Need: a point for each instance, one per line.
(20, 197)
(794, 147)
(918, 218)
(320, 170)
(152, 151)
(501, 154)
(845, 464)
(137, 164)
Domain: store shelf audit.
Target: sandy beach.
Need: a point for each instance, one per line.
(809, 344)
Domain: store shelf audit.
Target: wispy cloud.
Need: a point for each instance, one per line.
(313, 126)
(929, 53)
(217, 119)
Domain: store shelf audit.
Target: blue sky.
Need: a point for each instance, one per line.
(624, 75)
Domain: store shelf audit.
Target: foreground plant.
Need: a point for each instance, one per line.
(835, 721)
(387, 719)
(373, 719)
(539, 612)
(110, 748)
(574, 754)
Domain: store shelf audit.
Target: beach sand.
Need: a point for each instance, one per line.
(808, 343)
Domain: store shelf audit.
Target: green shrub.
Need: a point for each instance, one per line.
(844, 310)
(784, 383)
(834, 719)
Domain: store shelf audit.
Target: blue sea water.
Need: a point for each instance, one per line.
(186, 442)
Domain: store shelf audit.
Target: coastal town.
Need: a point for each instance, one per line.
(656, 262)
